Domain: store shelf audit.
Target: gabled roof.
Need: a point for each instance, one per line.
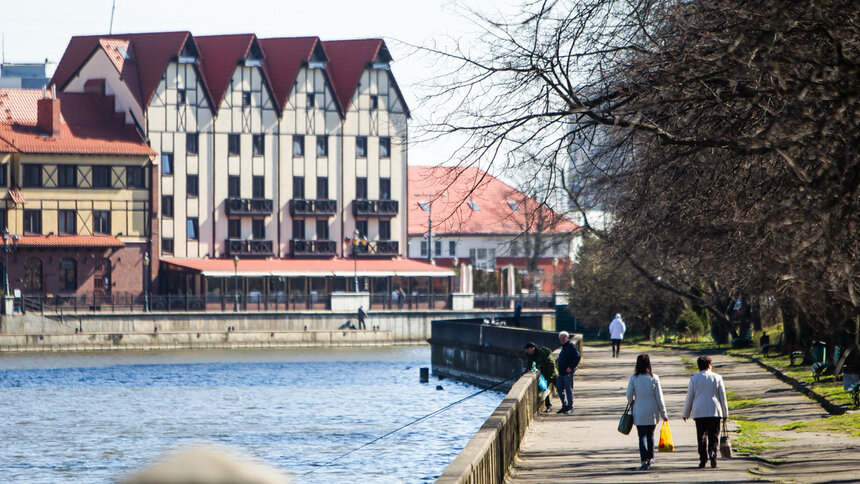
(284, 57)
(85, 126)
(348, 60)
(151, 54)
(475, 202)
(220, 55)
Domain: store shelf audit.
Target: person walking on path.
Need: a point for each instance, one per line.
(361, 317)
(646, 396)
(542, 359)
(616, 334)
(706, 402)
(568, 360)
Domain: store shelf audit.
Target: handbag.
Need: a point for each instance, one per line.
(542, 384)
(725, 443)
(625, 425)
(667, 443)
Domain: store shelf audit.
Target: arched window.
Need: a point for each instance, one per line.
(68, 275)
(33, 275)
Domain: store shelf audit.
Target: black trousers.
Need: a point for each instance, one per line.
(616, 347)
(708, 436)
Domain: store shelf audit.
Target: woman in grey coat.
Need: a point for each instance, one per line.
(645, 393)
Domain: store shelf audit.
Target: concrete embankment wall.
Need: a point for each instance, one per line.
(181, 330)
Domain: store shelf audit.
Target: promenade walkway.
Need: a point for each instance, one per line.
(586, 447)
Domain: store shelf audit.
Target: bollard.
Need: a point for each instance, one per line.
(425, 375)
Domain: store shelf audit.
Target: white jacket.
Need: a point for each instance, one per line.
(706, 396)
(647, 397)
(617, 329)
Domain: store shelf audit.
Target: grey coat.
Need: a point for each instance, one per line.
(647, 397)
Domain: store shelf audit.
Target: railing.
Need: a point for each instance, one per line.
(375, 208)
(378, 247)
(502, 302)
(83, 303)
(312, 208)
(410, 301)
(249, 206)
(300, 248)
(244, 247)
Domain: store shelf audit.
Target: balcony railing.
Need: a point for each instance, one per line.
(375, 208)
(378, 247)
(312, 208)
(249, 206)
(325, 248)
(243, 247)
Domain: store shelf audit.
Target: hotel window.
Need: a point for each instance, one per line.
(361, 226)
(32, 221)
(312, 101)
(167, 206)
(233, 186)
(180, 96)
(298, 187)
(192, 185)
(322, 188)
(258, 141)
(374, 102)
(298, 229)
(167, 163)
(167, 246)
(32, 176)
(233, 144)
(4, 175)
(4, 219)
(298, 145)
(68, 275)
(361, 146)
(452, 248)
(234, 228)
(246, 99)
(66, 222)
(192, 229)
(384, 230)
(33, 275)
(192, 143)
(258, 228)
(361, 188)
(101, 221)
(101, 177)
(259, 187)
(67, 176)
(384, 147)
(322, 229)
(322, 146)
(424, 248)
(385, 188)
(437, 248)
(134, 177)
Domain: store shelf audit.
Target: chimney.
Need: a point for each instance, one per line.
(48, 120)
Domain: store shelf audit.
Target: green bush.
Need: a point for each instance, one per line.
(691, 323)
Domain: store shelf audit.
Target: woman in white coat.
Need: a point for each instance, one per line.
(645, 393)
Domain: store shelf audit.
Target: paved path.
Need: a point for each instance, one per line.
(586, 447)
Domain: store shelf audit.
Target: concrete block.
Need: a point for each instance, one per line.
(349, 301)
(462, 301)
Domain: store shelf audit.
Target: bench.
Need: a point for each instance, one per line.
(743, 341)
(820, 363)
(765, 348)
(855, 393)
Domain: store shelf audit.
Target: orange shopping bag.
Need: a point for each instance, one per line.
(666, 443)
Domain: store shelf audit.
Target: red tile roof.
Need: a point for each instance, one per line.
(85, 128)
(220, 54)
(312, 267)
(285, 56)
(348, 60)
(453, 215)
(105, 241)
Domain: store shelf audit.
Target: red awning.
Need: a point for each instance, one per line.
(100, 241)
(312, 267)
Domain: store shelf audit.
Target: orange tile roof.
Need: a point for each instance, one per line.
(312, 267)
(85, 127)
(453, 215)
(105, 241)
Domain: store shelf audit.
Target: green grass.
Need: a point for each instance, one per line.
(690, 366)
(740, 403)
(848, 423)
(751, 441)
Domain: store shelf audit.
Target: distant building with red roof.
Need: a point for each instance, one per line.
(479, 219)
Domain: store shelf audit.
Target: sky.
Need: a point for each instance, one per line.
(35, 30)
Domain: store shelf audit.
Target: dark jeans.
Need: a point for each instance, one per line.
(708, 436)
(564, 387)
(616, 347)
(646, 441)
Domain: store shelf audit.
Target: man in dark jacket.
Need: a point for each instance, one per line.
(542, 359)
(568, 360)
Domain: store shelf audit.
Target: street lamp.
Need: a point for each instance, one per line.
(7, 247)
(235, 283)
(146, 282)
(429, 203)
(554, 265)
(454, 262)
(354, 241)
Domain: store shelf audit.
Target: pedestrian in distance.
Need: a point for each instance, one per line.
(646, 396)
(568, 360)
(361, 317)
(706, 402)
(518, 309)
(542, 359)
(617, 328)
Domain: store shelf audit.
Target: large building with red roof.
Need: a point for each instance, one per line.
(478, 219)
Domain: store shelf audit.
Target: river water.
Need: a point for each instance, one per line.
(94, 417)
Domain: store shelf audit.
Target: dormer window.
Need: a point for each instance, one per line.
(474, 206)
(188, 54)
(514, 206)
(255, 56)
(424, 206)
(249, 62)
(315, 64)
(123, 52)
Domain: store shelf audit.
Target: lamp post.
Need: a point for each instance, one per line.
(554, 265)
(235, 283)
(146, 282)
(429, 203)
(454, 262)
(354, 241)
(7, 247)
